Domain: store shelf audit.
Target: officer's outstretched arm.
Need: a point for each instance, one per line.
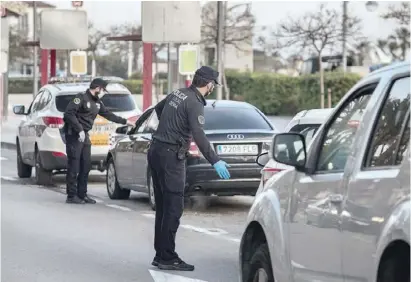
(196, 122)
(109, 115)
(70, 115)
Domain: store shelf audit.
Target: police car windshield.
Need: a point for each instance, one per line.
(113, 102)
(231, 118)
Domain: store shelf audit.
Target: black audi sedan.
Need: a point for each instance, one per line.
(238, 132)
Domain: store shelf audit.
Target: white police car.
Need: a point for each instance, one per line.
(39, 140)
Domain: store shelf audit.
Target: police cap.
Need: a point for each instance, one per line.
(207, 74)
(98, 82)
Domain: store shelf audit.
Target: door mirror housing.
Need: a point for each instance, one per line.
(262, 159)
(122, 130)
(289, 149)
(19, 110)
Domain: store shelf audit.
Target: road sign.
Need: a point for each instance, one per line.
(63, 29)
(188, 59)
(171, 21)
(78, 62)
(77, 4)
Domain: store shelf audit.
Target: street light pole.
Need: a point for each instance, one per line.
(220, 25)
(344, 36)
(35, 55)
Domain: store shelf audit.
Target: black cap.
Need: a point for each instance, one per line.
(208, 74)
(99, 82)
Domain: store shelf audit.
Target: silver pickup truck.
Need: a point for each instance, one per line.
(342, 211)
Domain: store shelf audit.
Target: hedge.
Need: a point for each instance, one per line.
(274, 94)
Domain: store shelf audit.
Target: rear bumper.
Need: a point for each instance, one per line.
(202, 178)
(52, 162)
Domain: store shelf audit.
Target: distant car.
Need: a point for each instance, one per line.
(237, 131)
(39, 140)
(342, 211)
(305, 122)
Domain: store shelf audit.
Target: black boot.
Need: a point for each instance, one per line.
(89, 200)
(156, 260)
(175, 264)
(74, 200)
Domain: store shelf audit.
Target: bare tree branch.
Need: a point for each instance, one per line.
(401, 14)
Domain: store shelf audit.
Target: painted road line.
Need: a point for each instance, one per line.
(118, 207)
(8, 178)
(149, 215)
(159, 276)
(3, 159)
(209, 231)
(297, 265)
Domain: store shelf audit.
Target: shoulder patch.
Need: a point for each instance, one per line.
(201, 120)
(76, 101)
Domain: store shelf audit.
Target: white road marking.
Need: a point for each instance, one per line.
(3, 159)
(149, 215)
(119, 207)
(159, 276)
(297, 265)
(209, 231)
(9, 178)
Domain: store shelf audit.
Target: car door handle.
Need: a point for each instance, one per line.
(335, 198)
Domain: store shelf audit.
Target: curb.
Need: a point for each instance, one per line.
(8, 145)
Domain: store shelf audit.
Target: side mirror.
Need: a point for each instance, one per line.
(289, 149)
(19, 110)
(122, 130)
(262, 159)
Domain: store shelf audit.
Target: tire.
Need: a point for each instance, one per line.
(114, 191)
(394, 269)
(23, 170)
(260, 266)
(151, 198)
(42, 177)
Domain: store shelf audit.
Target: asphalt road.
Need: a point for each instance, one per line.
(46, 240)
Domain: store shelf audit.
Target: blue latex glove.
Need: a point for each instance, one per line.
(221, 168)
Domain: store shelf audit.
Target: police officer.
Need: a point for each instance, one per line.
(79, 118)
(181, 117)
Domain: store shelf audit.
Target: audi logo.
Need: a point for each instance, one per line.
(235, 136)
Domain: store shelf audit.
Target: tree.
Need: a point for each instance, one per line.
(400, 14)
(95, 39)
(238, 27)
(398, 43)
(316, 31)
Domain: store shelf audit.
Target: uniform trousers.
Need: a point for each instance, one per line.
(169, 175)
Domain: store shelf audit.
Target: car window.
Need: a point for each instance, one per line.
(141, 122)
(152, 124)
(36, 102)
(340, 134)
(387, 134)
(44, 100)
(309, 133)
(113, 102)
(227, 118)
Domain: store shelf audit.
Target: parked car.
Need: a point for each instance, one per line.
(40, 140)
(238, 132)
(305, 122)
(342, 211)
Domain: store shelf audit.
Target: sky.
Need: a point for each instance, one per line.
(267, 13)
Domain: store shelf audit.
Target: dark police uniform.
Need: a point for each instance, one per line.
(181, 116)
(79, 116)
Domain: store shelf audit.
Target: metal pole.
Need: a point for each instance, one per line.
(344, 36)
(130, 59)
(35, 55)
(220, 26)
(169, 72)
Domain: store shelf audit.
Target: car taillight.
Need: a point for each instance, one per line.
(194, 151)
(58, 154)
(267, 172)
(53, 122)
(133, 118)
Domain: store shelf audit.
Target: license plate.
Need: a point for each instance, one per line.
(100, 134)
(243, 149)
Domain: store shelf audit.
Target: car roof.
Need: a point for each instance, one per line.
(212, 103)
(390, 67)
(73, 87)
